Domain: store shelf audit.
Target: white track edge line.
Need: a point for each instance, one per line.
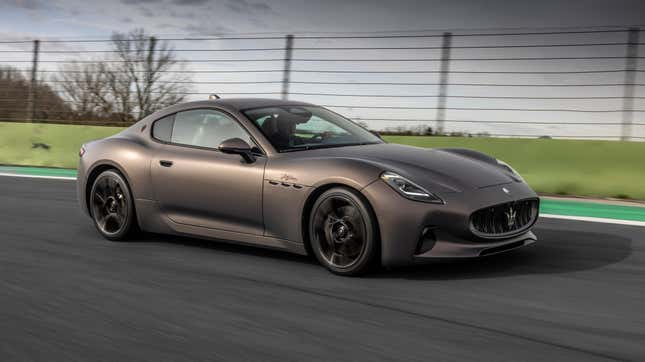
(595, 219)
(37, 176)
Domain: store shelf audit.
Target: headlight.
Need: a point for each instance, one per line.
(510, 169)
(409, 189)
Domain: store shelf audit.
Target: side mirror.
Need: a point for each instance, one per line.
(237, 146)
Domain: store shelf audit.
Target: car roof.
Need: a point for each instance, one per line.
(239, 104)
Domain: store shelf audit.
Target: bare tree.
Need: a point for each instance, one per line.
(130, 85)
(85, 87)
(144, 63)
(14, 94)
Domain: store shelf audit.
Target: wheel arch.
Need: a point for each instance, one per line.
(315, 194)
(98, 168)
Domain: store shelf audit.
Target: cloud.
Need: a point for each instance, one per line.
(181, 14)
(192, 29)
(138, 2)
(27, 4)
(190, 2)
(261, 7)
(210, 29)
(146, 12)
(245, 6)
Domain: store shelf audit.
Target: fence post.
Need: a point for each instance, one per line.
(443, 80)
(152, 45)
(32, 97)
(288, 48)
(631, 59)
(144, 106)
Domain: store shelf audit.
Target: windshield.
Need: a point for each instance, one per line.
(292, 128)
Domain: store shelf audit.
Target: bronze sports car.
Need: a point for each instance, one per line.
(299, 177)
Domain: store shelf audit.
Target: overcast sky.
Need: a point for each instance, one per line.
(68, 19)
(71, 18)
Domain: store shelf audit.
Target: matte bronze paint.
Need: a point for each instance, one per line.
(209, 194)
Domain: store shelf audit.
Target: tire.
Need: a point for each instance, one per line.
(342, 231)
(112, 207)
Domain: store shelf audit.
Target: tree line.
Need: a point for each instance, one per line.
(124, 86)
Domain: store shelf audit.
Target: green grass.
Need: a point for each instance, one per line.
(565, 167)
(64, 141)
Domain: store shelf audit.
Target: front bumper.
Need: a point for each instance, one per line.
(402, 222)
(447, 247)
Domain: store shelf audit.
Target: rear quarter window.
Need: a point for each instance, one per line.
(162, 128)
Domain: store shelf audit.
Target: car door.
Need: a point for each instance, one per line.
(196, 184)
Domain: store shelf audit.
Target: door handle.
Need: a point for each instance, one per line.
(165, 163)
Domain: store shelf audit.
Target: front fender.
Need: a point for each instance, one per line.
(290, 185)
(317, 171)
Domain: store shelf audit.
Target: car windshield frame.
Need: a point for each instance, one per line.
(361, 135)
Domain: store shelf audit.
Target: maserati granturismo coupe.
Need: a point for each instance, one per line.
(299, 177)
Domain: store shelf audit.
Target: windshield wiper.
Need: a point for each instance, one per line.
(293, 149)
(332, 145)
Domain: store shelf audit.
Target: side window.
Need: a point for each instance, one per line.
(162, 128)
(206, 128)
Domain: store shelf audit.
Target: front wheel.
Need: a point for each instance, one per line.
(343, 232)
(111, 206)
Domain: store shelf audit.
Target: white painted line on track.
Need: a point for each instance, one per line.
(37, 176)
(594, 219)
(549, 216)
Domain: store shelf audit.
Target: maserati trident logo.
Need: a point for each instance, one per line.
(510, 216)
(505, 190)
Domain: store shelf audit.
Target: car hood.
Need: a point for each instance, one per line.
(440, 170)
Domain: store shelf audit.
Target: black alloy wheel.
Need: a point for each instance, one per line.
(111, 206)
(342, 232)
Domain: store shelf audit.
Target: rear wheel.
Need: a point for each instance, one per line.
(111, 206)
(342, 232)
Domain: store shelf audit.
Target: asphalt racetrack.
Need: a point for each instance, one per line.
(66, 294)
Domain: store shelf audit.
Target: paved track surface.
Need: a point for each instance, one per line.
(66, 294)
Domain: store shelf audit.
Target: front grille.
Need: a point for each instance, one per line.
(505, 219)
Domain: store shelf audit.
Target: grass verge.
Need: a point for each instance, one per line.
(51, 145)
(560, 167)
